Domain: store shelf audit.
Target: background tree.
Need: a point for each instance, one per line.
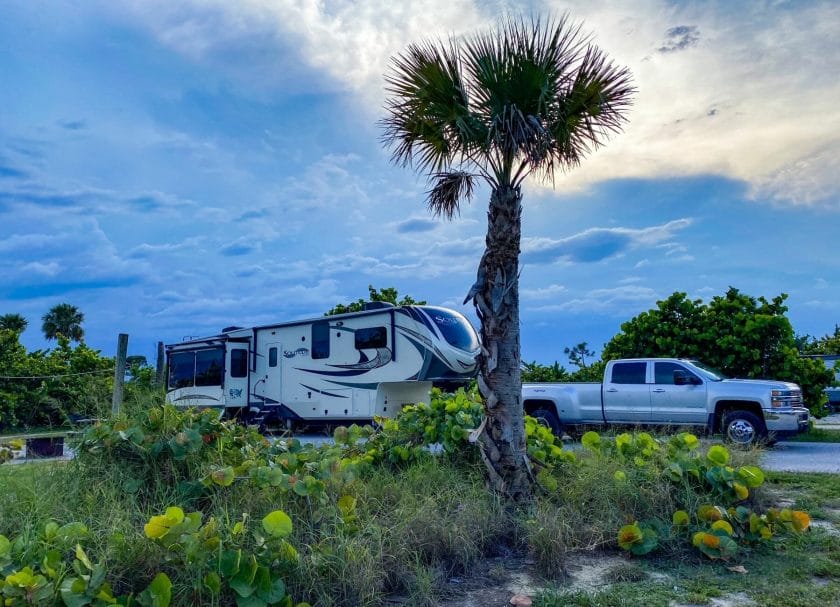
(827, 344)
(534, 372)
(528, 98)
(13, 322)
(64, 319)
(742, 336)
(388, 294)
(578, 355)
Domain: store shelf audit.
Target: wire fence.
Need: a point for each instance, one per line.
(59, 375)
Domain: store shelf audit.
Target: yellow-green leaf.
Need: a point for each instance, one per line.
(718, 455)
(277, 524)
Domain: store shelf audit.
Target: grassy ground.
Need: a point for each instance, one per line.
(817, 435)
(803, 571)
(426, 524)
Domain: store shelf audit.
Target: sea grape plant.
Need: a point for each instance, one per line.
(43, 572)
(228, 563)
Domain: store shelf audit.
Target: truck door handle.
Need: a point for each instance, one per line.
(612, 389)
(658, 390)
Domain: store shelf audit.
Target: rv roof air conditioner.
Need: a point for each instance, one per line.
(377, 305)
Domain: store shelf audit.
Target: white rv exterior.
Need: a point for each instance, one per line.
(346, 367)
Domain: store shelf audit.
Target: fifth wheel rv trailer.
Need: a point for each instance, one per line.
(335, 368)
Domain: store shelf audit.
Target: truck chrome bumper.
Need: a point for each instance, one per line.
(786, 423)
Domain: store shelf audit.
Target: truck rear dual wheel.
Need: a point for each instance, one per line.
(744, 428)
(548, 418)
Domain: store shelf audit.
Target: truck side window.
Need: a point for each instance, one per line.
(629, 373)
(664, 372)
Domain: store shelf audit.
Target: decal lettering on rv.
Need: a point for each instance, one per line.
(298, 352)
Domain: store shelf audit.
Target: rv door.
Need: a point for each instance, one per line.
(236, 377)
(269, 386)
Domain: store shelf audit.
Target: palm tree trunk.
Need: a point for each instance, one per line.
(496, 298)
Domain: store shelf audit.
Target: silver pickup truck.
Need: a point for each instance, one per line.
(672, 392)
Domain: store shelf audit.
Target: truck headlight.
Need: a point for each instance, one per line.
(783, 399)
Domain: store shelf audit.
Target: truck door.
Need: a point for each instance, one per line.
(672, 404)
(236, 376)
(627, 393)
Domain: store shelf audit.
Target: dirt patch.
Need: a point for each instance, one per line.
(827, 526)
(495, 581)
(739, 599)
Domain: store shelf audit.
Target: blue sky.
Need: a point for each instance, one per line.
(175, 167)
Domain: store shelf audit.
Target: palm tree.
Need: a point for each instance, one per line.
(526, 98)
(63, 319)
(13, 322)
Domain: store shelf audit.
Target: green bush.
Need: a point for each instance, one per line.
(52, 387)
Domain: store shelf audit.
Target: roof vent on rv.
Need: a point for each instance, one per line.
(378, 305)
(229, 329)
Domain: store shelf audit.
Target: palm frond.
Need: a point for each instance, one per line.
(528, 97)
(449, 190)
(428, 123)
(588, 110)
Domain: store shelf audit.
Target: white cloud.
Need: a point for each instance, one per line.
(596, 244)
(749, 100)
(542, 293)
(617, 300)
(50, 269)
(742, 92)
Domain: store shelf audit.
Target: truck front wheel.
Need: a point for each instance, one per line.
(548, 418)
(743, 428)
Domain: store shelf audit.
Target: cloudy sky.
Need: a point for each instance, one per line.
(175, 167)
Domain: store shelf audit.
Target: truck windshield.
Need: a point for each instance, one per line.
(709, 372)
(456, 329)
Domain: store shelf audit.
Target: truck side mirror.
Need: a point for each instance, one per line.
(681, 378)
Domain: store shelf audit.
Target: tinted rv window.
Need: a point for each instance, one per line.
(321, 339)
(208, 367)
(629, 373)
(372, 337)
(272, 357)
(239, 363)
(181, 370)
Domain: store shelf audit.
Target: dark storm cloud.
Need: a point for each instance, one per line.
(410, 226)
(680, 38)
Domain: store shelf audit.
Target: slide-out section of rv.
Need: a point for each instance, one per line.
(348, 367)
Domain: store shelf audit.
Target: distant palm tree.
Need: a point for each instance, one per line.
(527, 98)
(13, 322)
(64, 319)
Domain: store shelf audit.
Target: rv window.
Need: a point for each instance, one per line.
(373, 337)
(272, 357)
(208, 367)
(321, 339)
(239, 363)
(181, 370)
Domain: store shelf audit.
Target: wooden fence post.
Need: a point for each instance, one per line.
(119, 373)
(160, 367)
